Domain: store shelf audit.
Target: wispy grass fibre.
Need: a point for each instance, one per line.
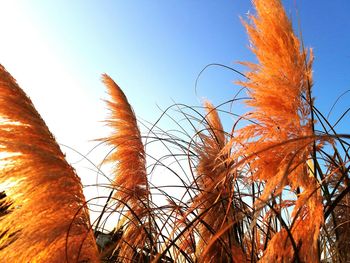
(47, 218)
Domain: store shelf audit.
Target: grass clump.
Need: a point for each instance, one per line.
(273, 188)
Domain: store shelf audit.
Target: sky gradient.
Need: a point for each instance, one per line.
(154, 50)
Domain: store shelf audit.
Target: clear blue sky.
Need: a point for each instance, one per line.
(154, 49)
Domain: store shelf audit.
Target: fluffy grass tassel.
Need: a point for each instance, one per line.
(44, 216)
(130, 177)
(275, 143)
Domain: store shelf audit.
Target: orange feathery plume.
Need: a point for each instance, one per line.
(45, 217)
(129, 154)
(279, 86)
(130, 180)
(214, 201)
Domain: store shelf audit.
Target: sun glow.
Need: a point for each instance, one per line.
(62, 101)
